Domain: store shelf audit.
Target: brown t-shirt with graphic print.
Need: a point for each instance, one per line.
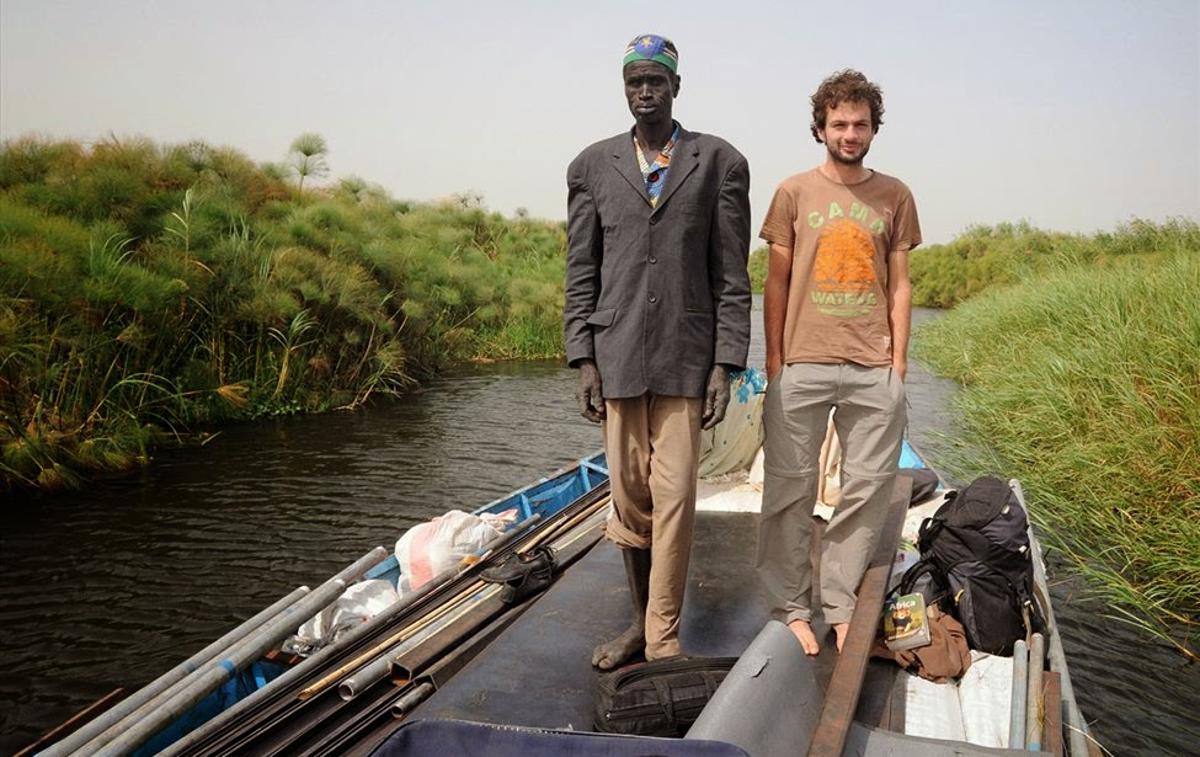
(840, 236)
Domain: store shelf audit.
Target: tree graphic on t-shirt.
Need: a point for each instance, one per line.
(844, 269)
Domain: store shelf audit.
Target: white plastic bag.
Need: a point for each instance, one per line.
(427, 549)
(357, 604)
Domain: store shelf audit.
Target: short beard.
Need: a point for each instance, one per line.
(848, 161)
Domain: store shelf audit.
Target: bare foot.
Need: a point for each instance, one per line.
(612, 653)
(805, 635)
(840, 630)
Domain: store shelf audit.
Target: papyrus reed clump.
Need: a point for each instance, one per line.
(147, 289)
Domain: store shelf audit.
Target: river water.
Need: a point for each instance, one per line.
(113, 585)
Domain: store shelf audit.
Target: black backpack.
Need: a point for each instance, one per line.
(975, 549)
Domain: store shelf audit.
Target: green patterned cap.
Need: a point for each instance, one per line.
(652, 47)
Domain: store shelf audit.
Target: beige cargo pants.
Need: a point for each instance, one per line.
(870, 421)
(653, 446)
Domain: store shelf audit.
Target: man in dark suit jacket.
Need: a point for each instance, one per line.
(657, 315)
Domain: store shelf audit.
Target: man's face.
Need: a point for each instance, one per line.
(650, 89)
(848, 133)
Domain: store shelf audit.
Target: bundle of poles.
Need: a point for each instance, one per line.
(390, 668)
(447, 610)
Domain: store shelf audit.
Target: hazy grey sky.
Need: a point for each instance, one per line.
(1073, 115)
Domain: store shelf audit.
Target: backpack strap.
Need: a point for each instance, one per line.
(924, 566)
(927, 533)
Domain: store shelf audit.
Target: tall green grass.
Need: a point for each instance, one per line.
(1085, 384)
(147, 289)
(986, 256)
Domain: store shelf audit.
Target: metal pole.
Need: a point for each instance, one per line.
(345, 642)
(1034, 713)
(157, 714)
(1020, 674)
(384, 645)
(69, 725)
(409, 701)
(380, 667)
(1077, 728)
(264, 699)
(156, 687)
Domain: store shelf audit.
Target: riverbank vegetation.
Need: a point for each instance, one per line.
(149, 290)
(983, 257)
(1082, 378)
(757, 266)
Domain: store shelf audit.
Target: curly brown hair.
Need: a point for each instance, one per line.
(846, 86)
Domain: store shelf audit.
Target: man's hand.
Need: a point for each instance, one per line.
(590, 393)
(774, 366)
(900, 367)
(716, 396)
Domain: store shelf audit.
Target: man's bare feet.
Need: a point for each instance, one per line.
(617, 651)
(840, 630)
(806, 637)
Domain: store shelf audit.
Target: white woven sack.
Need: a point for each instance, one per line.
(427, 549)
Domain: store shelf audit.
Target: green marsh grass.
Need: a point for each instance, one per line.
(1084, 382)
(149, 290)
(983, 257)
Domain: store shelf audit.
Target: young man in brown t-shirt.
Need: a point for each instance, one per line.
(837, 308)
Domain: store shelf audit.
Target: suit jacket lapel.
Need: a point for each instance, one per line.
(684, 159)
(626, 164)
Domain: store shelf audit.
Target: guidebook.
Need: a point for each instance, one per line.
(905, 625)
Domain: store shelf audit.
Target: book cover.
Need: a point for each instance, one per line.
(905, 625)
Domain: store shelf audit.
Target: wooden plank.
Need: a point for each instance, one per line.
(845, 685)
(1052, 725)
(75, 721)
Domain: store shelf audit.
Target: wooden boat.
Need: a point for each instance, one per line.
(528, 666)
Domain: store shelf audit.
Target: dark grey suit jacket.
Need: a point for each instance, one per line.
(657, 295)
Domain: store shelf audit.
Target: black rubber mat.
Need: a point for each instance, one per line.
(539, 672)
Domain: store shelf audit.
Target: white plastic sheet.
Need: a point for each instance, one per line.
(985, 693)
(932, 709)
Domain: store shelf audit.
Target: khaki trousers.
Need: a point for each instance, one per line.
(870, 422)
(653, 446)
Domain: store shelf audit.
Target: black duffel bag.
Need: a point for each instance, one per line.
(659, 698)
